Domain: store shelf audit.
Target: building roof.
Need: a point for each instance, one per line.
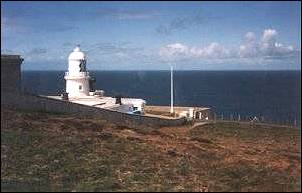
(102, 102)
(10, 58)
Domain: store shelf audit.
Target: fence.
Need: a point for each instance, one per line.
(255, 118)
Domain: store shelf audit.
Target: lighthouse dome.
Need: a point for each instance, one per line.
(77, 54)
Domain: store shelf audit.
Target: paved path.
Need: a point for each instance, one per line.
(199, 124)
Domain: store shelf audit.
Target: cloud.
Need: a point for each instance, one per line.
(37, 51)
(174, 51)
(181, 23)
(67, 44)
(11, 27)
(213, 50)
(174, 25)
(122, 14)
(7, 51)
(269, 35)
(267, 48)
(59, 27)
(178, 51)
(38, 55)
(117, 53)
(98, 54)
(250, 47)
(111, 48)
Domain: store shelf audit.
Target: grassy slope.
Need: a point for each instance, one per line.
(49, 152)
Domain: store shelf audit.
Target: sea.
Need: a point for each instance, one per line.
(270, 96)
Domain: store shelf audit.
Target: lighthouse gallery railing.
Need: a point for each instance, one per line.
(77, 74)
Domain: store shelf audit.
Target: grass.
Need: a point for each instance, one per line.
(56, 152)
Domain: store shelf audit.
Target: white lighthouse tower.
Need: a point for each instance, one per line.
(77, 78)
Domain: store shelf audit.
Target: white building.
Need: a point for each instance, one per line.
(78, 91)
(77, 78)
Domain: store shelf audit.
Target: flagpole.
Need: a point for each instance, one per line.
(171, 73)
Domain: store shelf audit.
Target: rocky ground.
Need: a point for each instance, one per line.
(56, 152)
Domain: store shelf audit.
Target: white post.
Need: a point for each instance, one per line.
(171, 109)
(295, 122)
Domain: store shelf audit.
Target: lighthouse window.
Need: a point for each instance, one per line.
(80, 87)
(82, 66)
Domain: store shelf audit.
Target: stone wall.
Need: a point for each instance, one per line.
(39, 103)
(10, 73)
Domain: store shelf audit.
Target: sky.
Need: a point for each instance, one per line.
(197, 35)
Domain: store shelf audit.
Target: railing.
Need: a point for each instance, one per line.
(79, 74)
(290, 121)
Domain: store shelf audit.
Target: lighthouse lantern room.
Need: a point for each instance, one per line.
(77, 78)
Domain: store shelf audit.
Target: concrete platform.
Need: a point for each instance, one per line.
(179, 111)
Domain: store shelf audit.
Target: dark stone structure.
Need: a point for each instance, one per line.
(11, 73)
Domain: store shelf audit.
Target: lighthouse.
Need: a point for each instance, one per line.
(80, 89)
(77, 78)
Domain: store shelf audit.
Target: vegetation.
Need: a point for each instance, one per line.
(57, 152)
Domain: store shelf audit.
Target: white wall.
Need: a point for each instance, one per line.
(72, 87)
(74, 67)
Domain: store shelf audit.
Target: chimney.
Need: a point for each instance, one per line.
(118, 99)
